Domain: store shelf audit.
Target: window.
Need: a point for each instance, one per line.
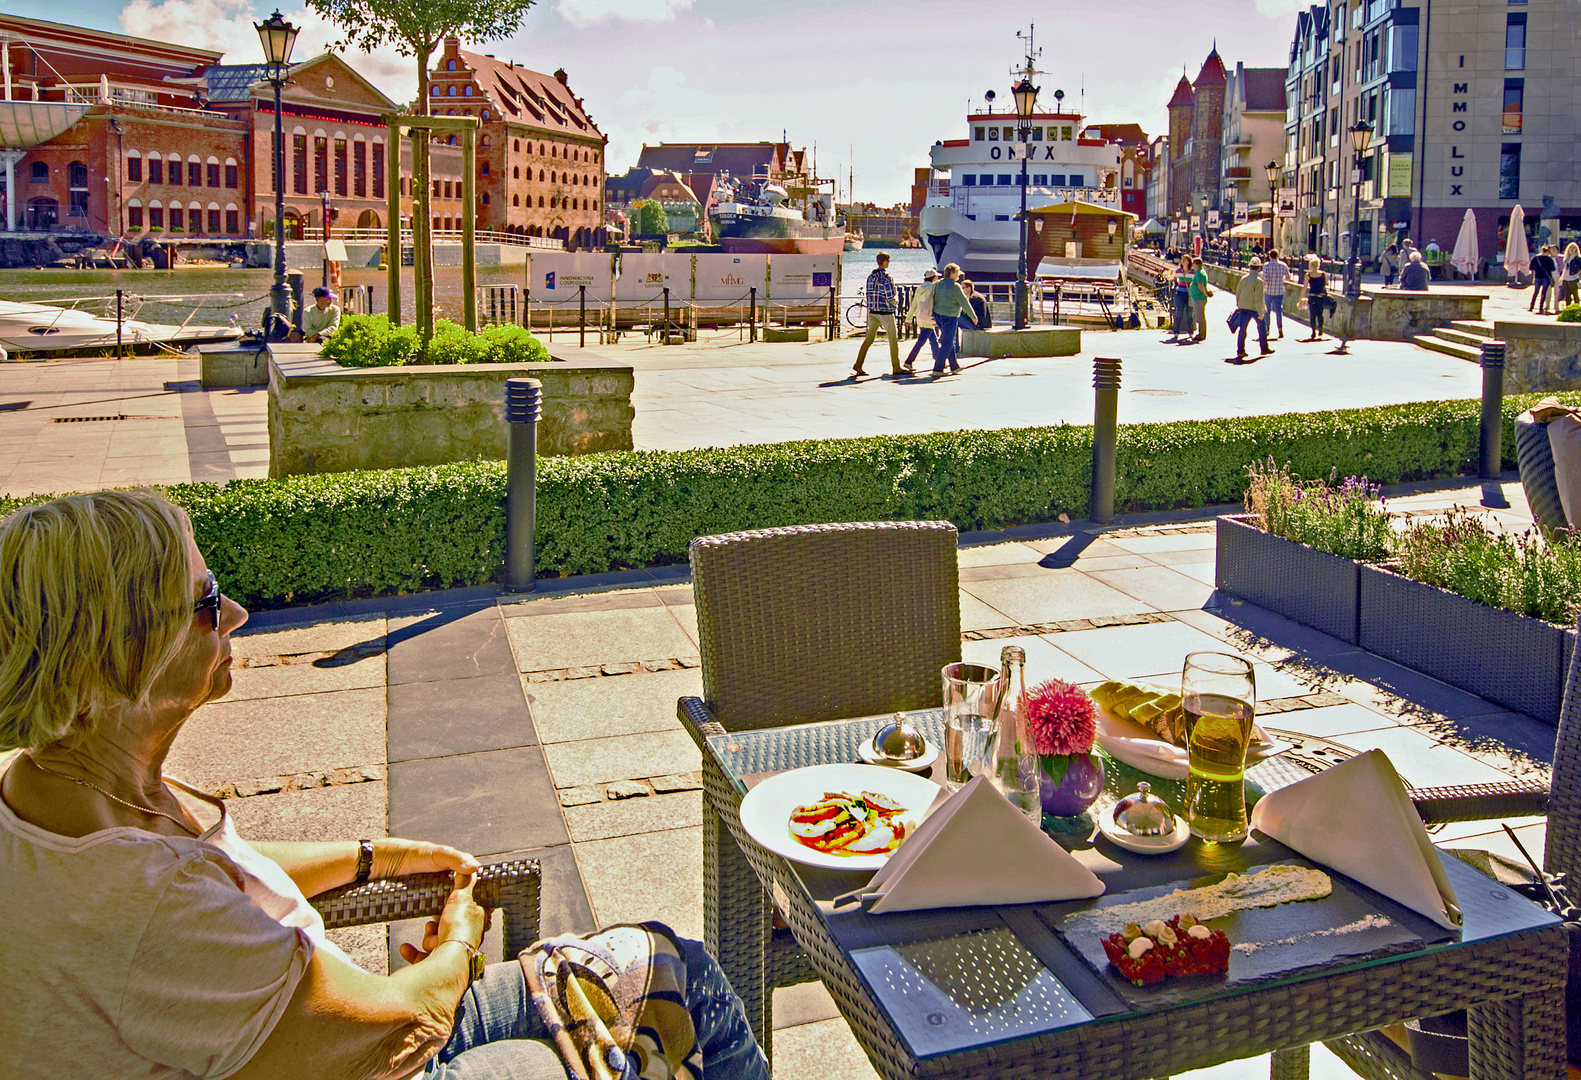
(299, 164)
(969, 180)
(156, 217)
(214, 220)
(1057, 180)
(1010, 134)
(156, 171)
(1514, 93)
(1514, 44)
(485, 198)
(450, 91)
(232, 222)
(194, 174)
(173, 172)
(230, 173)
(540, 176)
(516, 145)
(434, 91)
(1005, 179)
(378, 170)
(134, 217)
(359, 168)
(320, 164)
(134, 173)
(1078, 179)
(340, 166)
(177, 219)
(1510, 170)
(516, 172)
(1040, 179)
(1065, 133)
(77, 182)
(466, 91)
(540, 202)
(485, 170)
(1037, 134)
(986, 180)
(1001, 217)
(516, 200)
(1399, 110)
(450, 65)
(993, 134)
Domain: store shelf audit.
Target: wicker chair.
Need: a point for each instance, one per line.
(1536, 461)
(1377, 1057)
(511, 887)
(798, 625)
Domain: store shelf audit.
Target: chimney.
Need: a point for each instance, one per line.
(559, 73)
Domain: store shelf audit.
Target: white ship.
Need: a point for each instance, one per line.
(42, 328)
(974, 186)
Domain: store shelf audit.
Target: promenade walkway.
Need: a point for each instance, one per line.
(544, 725)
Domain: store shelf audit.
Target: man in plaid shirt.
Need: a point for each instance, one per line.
(1275, 272)
(879, 295)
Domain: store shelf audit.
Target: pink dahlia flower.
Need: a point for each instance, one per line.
(1061, 718)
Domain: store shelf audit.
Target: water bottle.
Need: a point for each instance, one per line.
(1017, 768)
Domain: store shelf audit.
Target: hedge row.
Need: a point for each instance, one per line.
(310, 538)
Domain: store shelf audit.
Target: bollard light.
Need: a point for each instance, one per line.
(1106, 404)
(1492, 456)
(523, 408)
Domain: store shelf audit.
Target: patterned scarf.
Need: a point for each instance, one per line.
(615, 1003)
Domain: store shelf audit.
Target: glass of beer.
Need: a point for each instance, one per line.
(971, 725)
(1220, 699)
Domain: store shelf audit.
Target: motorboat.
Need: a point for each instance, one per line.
(49, 328)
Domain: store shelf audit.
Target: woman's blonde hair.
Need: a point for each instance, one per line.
(1313, 260)
(94, 598)
(1572, 249)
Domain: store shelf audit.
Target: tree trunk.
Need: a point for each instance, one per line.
(423, 51)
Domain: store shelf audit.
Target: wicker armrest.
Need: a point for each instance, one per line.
(510, 887)
(698, 720)
(1481, 802)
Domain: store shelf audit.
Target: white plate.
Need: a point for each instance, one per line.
(917, 764)
(1141, 748)
(766, 810)
(1146, 845)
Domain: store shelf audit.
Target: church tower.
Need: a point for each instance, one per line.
(1207, 128)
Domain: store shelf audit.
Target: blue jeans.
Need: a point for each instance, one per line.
(498, 1034)
(1276, 306)
(927, 335)
(949, 343)
(1183, 319)
(1262, 332)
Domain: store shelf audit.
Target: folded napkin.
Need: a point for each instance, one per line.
(977, 849)
(1357, 819)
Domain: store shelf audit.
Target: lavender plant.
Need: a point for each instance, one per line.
(1522, 572)
(1348, 519)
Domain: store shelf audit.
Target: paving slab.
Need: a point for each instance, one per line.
(337, 672)
(976, 615)
(485, 803)
(580, 709)
(458, 716)
(1044, 660)
(1157, 586)
(467, 642)
(629, 757)
(628, 817)
(825, 1050)
(1054, 595)
(327, 636)
(1126, 652)
(657, 875)
(239, 740)
(1421, 761)
(997, 555)
(544, 642)
(342, 812)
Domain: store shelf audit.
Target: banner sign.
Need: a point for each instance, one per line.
(797, 277)
(1399, 185)
(1242, 211)
(554, 276)
(728, 277)
(1285, 203)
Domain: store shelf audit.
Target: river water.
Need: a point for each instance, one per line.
(224, 292)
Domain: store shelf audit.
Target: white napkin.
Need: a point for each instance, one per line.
(978, 849)
(1357, 818)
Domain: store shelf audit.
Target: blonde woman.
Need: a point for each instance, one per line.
(1317, 296)
(1570, 279)
(153, 940)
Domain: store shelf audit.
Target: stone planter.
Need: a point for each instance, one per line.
(1510, 659)
(1299, 582)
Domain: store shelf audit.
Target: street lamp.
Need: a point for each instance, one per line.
(277, 37)
(1026, 96)
(1272, 171)
(1360, 136)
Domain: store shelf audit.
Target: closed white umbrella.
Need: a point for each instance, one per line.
(1517, 256)
(1467, 255)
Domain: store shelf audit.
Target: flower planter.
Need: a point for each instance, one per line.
(1299, 582)
(1510, 659)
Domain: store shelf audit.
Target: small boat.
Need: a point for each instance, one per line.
(853, 241)
(37, 328)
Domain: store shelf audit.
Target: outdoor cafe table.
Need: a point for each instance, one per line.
(993, 991)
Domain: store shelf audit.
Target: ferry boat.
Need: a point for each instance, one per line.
(974, 184)
(768, 222)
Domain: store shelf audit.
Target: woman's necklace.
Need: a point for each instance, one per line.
(185, 827)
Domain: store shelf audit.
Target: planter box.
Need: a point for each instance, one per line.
(1299, 582)
(1510, 659)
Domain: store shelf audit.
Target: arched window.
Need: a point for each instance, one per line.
(516, 200)
(484, 141)
(434, 91)
(40, 173)
(450, 65)
(450, 91)
(516, 172)
(466, 91)
(516, 145)
(540, 148)
(540, 202)
(485, 198)
(540, 176)
(485, 116)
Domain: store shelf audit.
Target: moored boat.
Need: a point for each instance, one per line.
(767, 222)
(38, 328)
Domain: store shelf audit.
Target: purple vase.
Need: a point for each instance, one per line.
(1078, 789)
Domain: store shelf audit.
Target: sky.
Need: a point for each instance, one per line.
(869, 85)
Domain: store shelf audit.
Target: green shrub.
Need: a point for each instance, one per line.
(337, 535)
(1348, 520)
(1570, 313)
(370, 341)
(1521, 573)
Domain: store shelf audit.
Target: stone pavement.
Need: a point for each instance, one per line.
(719, 392)
(544, 725)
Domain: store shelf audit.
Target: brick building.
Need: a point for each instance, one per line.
(540, 157)
(1196, 131)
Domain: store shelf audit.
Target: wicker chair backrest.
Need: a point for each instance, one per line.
(821, 622)
(1562, 851)
(1535, 458)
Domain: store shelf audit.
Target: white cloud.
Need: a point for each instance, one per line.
(228, 26)
(585, 13)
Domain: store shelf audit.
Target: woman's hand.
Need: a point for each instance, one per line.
(394, 857)
(462, 920)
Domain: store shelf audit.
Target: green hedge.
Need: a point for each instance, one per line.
(308, 538)
(371, 341)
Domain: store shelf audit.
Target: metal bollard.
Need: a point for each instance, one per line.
(581, 294)
(665, 340)
(298, 287)
(523, 407)
(1105, 422)
(1492, 460)
(752, 318)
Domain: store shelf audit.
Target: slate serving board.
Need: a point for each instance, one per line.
(1276, 942)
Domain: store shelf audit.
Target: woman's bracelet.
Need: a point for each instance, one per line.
(364, 860)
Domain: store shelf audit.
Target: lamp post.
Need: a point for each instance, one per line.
(1026, 96)
(277, 37)
(1360, 136)
(1272, 171)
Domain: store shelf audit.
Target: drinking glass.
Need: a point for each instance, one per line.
(1220, 699)
(971, 721)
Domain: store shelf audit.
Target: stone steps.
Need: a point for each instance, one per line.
(1451, 348)
(1462, 338)
(1482, 328)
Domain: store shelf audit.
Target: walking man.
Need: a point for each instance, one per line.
(879, 294)
(1200, 291)
(922, 312)
(1543, 268)
(951, 309)
(1275, 274)
(1249, 310)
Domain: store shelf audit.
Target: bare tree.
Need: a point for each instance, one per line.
(417, 27)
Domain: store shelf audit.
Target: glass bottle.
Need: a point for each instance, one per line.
(1017, 769)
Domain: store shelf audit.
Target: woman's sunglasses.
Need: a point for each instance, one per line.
(211, 600)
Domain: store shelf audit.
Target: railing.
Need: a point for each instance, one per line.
(482, 236)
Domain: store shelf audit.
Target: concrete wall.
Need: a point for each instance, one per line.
(309, 254)
(326, 418)
(1381, 314)
(1540, 356)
